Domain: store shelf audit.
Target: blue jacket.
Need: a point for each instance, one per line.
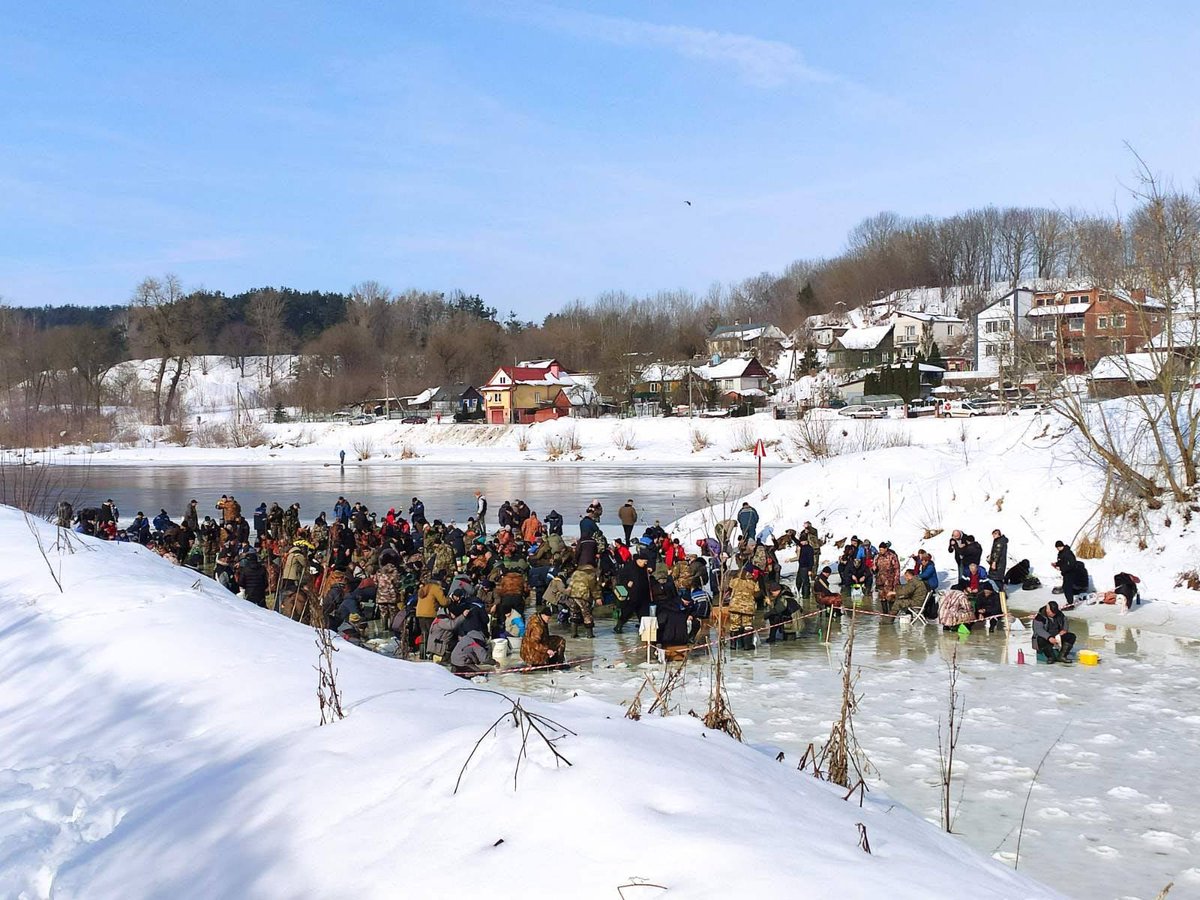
(747, 521)
(928, 574)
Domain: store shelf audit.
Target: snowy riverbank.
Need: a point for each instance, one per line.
(159, 738)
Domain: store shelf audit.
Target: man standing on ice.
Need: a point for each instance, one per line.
(480, 511)
(628, 516)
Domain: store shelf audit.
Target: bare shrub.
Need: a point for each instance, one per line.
(178, 434)
(948, 742)
(699, 438)
(812, 438)
(572, 438)
(210, 435)
(523, 440)
(1190, 579)
(1090, 548)
(363, 448)
(624, 437)
(407, 452)
(247, 433)
(742, 437)
(562, 443)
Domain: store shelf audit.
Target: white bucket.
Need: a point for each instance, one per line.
(500, 649)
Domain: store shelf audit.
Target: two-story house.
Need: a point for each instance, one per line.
(917, 332)
(514, 394)
(750, 339)
(862, 348)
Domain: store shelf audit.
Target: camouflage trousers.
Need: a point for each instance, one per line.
(581, 610)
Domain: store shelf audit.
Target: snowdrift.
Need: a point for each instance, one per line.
(1024, 476)
(159, 738)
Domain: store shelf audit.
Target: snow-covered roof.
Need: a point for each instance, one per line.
(726, 368)
(1185, 332)
(1128, 366)
(424, 397)
(1059, 309)
(746, 332)
(864, 338)
(661, 372)
(932, 318)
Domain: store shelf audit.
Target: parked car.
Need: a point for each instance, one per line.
(1030, 408)
(961, 409)
(362, 420)
(862, 411)
(413, 420)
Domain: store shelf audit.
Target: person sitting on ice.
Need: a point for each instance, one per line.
(1050, 635)
(911, 592)
(987, 606)
(472, 652)
(539, 647)
(824, 594)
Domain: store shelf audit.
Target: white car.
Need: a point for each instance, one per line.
(961, 408)
(362, 420)
(862, 411)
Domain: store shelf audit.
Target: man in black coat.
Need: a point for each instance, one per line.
(1064, 564)
(635, 578)
(997, 562)
(252, 577)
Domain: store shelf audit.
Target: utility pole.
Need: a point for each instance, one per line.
(387, 396)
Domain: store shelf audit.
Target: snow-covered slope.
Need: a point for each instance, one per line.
(1022, 475)
(211, 384)
(158, 738)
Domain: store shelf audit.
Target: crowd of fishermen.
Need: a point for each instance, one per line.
(451, 592)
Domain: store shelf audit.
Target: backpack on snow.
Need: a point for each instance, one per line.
(1030, 584)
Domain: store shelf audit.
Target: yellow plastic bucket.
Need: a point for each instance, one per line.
(1089, 657)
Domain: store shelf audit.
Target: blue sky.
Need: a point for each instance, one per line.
(536, 153)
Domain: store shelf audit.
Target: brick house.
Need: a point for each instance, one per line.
(1075, 329)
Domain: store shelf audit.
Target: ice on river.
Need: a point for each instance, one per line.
(1112, 812)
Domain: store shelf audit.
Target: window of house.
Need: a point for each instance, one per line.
(495, 398)
(991, 326)
(654, 387)
(990, 350)
(1075, 323)
(1119, 320)
(866, 358)
(1102, 323)
(1081, 298)
(951, 330)
(537, 396)
(910, 331)
(1117, 345)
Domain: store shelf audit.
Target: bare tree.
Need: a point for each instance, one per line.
(265, 313)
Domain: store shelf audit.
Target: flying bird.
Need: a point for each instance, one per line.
(688, 202)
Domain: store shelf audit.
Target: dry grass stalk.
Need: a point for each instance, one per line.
(329, 696)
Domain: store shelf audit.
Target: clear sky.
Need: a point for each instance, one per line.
(535, 153)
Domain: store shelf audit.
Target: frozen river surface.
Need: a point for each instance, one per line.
(660, 492)
(1113, 812)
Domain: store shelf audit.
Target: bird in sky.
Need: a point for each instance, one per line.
(688, 202)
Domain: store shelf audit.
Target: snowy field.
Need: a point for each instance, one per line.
(159, 738)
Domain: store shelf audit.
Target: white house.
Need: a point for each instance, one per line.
(998, 326)
(745, 377)
(919, 331)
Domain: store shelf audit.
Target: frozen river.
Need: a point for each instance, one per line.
(659, 492)
(1113, 813)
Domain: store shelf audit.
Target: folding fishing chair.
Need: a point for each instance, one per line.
(925, 611)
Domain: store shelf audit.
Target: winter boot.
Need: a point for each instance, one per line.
(591, 630)
(574, 629)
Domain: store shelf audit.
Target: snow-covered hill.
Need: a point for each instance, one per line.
(159, 738)
(212, 385)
